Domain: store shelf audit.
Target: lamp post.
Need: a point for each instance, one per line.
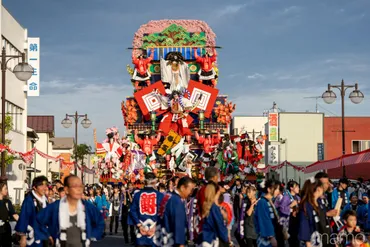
(285, 142)
(153, 117)
(356, 96)
(201, 119)
(23, 71)
(67, 123)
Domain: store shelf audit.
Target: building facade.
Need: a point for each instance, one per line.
(44, 127)
(299, 135)
(242, 124)
(254, 126)
(14, 39)
(63, 147)
(357, 139)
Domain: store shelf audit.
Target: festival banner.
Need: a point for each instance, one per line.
(273, 126)
(208, 99)
(148, 101)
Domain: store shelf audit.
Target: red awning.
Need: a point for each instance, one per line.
(346, 160)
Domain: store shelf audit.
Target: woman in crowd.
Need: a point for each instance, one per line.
(239, 233)
(91, 195)
(126, 200)
(7, 213)
(114, 210)
(278, 199)
(71, 221)
(250, 235)
(266, 218)
(170, 186)
(288, 211)
(312, 219)
(213, 229)
(51, 195)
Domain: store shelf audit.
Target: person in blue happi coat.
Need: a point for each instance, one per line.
(72, 221)
(266, 219)
(213, 229)
(341, 192)
(144, 211)
(27, 226)
(312, 217)
(171, 230)
(357, 206)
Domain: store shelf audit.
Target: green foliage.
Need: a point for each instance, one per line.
(9, 159)
(81, 151)
(174, 35)
(17, 208)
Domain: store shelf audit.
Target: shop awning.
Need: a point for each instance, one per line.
(346, 160)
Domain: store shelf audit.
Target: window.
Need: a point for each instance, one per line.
(11, 50)
(17, 116)
(358, 146)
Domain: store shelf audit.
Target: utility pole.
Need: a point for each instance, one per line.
(316, 98)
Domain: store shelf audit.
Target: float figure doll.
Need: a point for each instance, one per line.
(175, 72)
(147, 143)
(141, 72)
(177, 117)
(206, 72)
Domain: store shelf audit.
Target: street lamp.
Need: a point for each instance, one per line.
(153, 117)
(67, 123)
(201, 119)
(23, 71)
(356, 96)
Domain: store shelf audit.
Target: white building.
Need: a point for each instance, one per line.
(63, 147)
(254, 126)
(299, 134)
(242, 124)
(14, 39)
(88, 177)
(44, 127)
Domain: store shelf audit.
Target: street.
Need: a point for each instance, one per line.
(111, 240)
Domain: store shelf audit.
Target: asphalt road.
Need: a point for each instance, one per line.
(111, 241)
(117, 240)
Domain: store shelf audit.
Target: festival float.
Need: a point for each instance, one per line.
(176, 121)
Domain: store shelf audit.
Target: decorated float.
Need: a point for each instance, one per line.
(176, 121)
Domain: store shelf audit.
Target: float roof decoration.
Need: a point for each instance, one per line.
(161, 33)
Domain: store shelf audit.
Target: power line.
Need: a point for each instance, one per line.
(327, 110)
(316, 98)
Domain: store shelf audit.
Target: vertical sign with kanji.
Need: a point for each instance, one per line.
(320, 151)
(274, 126)
(33, 84)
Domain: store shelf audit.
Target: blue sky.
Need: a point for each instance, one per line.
(273, 50)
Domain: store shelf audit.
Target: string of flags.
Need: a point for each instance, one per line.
(28, 158)
(268, 168)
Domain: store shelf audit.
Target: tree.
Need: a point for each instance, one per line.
(9, 159)
(81, 151)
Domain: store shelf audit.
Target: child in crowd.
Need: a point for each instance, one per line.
(162, 188)
(359, 241)
(61, 192)
(349, 229)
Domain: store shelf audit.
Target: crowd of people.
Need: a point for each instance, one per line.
(182, 211)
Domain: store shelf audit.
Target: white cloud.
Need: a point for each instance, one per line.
(287, 12)
(230, 10)
(291, 100)
(101, 102)
(291, 9)
(256, 76)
